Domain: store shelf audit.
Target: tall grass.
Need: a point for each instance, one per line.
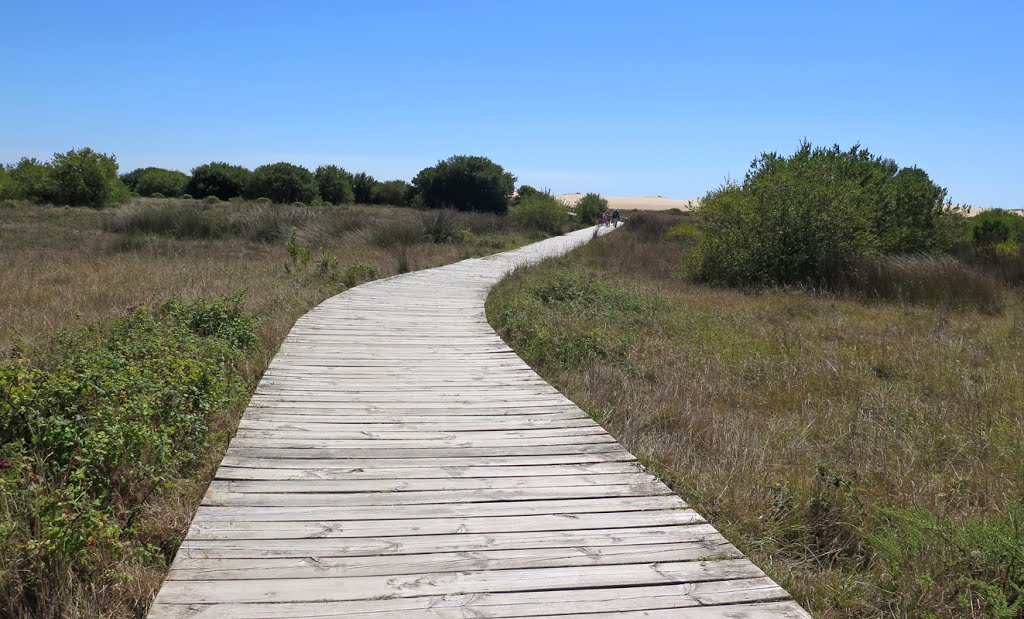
(867, 455)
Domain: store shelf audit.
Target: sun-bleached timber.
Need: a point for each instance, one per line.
(398, 460)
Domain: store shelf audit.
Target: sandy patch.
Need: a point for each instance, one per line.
(638, 203)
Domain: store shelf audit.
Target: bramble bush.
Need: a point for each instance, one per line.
(94, 426)
(465, 183)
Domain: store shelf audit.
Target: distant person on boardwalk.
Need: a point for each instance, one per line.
(615, 217)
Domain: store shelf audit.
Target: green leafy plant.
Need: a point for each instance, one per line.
(589, 209)
(540, 211)
(299, 254)
(334, 184)
(219, 179)
(465, 183)
(281, 182)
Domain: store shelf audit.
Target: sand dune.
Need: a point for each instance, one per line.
(638, 203)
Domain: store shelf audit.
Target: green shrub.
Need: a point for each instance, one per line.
(524, 191)
(362, 188)
(801, 219)
(186, 196)
(335, 184)
(219, 179)
(392, 193)
(995, 227)
(465, 183)
(298, 253)
(282, 182)
(94, 426)
(8, 187)
(86, 178)
(589, 209)
(440, 226)
(150, 181)
(540, 211)
(359, 273)
(683, 232)
(33, 180)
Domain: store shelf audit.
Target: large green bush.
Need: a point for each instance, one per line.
(85, 177)
(392, 193)
(8, 187)
(219, 179)
(589, 208)
(148, 181)
(362, 187)
(282, 182)
(334, 184)
(96, 425)
(540, 211)
(807, 217)
(33, 180)
(465, 183)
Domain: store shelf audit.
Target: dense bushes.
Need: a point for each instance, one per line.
(392, 193)
(589, 209)
(540, 211)
(219, 179)
(282, 182)
(81, 177)
(362, 187)
(149, 181)
(334, 184)
(803, 218)
(93, 427)
(465, 183)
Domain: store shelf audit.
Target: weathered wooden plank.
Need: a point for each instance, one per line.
(481, 560)
(464, 542)
(704, 596)
(213, 513)
(424, 472)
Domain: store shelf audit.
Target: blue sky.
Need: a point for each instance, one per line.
(623, 98)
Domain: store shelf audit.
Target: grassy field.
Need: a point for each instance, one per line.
(867, 455)
(110, 433)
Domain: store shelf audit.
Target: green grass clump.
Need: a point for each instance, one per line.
(92, 428)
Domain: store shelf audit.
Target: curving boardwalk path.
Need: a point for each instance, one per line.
(398, 460)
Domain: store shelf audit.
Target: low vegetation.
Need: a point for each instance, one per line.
(127, 351)
(865, 451)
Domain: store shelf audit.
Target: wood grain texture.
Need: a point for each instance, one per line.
(399, 460)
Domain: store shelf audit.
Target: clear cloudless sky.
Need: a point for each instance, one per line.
(623, 98)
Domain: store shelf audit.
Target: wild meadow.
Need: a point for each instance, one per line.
(856, 428)
(130, 341)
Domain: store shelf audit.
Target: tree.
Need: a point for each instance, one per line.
(282, 182)
(33, 180)
(540, 211)
(219, 179)
(806, 218)
(148, 181)
(589, 208)
(465, 183)
(334, 184)
(393, 193)
(85, 177)
(362, 186)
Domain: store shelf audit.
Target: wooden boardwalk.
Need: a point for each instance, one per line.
(398, 460)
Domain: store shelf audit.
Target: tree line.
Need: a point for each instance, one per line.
(85, 177)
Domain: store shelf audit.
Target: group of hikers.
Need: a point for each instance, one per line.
(609, 219)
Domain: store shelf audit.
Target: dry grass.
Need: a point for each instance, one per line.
(64, 268)
(868, 457)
